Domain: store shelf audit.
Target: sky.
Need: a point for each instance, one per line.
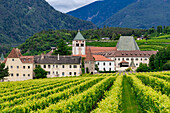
(68, 5)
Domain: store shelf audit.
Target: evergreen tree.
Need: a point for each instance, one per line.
(39, 72)
(161, 58)
(143, 68)
(62, 48)
(2, 57)
(113, 36)
(159, 29)
(3, 71)
(151, 62)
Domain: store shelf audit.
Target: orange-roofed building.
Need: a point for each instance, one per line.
(20, 67)
(104, 64)
(101, 49)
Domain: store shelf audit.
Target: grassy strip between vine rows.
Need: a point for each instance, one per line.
(113, 99)
(31, 92)
(149, 99)
(156, 83)
(160, 75)
(40, 94)
(54, 98)
(83, 102)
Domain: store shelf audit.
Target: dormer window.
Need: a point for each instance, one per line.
(24, 59)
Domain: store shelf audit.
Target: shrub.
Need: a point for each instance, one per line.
(166, 66)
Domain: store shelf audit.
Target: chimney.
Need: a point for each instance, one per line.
(58, 57)
(42, 56)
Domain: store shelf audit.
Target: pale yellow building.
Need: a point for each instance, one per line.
(20, 67)
(59, 66)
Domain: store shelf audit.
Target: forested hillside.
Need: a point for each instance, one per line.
(142, 14)
(100, 11)
(44, 40)
(20, 19)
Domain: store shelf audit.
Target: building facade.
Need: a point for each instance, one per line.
(20, 67)
(103, 63)
(59, 66)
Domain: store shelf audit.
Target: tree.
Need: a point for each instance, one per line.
(87, 70)
(113, 36)
(151, 30)
(159, 29)
(161, 58)
(62, 48)
(129, 69)
(40, 73)
(143, 68)
(3, 71)
(168, 30)
(151, 62)
(166, 66)
(96, 67)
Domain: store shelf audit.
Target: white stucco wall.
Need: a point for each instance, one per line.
(137, 62)
(58, 70)
(107, 65)
(81, 49)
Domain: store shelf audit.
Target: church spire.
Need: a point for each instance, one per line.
(79, 36)
(2, 57)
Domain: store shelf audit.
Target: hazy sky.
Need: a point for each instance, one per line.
(68, 5)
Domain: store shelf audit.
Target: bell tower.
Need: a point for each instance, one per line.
(79, 45)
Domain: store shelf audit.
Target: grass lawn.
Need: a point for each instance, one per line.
(129, 103)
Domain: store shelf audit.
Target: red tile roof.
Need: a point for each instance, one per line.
(134, 53)
(128, 53)
(89, 56)
(101, 49)
(49, 53)
(123, 62)
(84, 56)
(101, 58)
(27, 59)
(15, 53)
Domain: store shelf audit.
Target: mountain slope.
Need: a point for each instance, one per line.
(142, 14)
(99, 11)
(22, 18)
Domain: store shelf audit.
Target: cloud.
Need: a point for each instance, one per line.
(68, 5)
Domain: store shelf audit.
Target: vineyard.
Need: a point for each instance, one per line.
(100, 93)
